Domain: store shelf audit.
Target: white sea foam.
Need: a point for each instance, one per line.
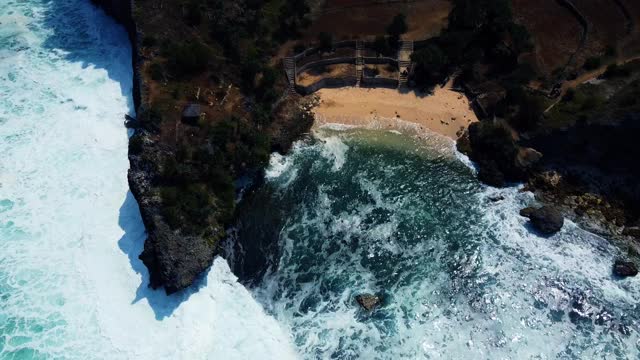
(477, 285)
(334, 149)
(71, 283)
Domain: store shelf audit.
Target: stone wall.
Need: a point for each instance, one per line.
(379, 82)
(327, 83)
(326, 62)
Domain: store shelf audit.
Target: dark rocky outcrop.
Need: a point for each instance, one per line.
(546, 219)
(368, 301)
(499, 159)
(174, 259)
(624, 268)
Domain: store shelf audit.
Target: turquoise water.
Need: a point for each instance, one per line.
(71, 284)
(359, 211)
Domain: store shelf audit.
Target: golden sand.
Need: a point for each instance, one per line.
(446, 111)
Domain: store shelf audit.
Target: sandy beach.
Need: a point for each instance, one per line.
(446, 112)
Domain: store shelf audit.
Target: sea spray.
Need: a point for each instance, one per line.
(462, 275)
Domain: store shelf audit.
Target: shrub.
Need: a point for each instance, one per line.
(398, 26)
(135, 144)
(150, 118)
(149, 41)
(325, 41)
(298, 48)
(592, 63)
(193, 16)
(169, 195)
(570, 95)
(531, 109)
(381, 46)
(156, 71)
(610, 51)
(615, 70)
(188, 59)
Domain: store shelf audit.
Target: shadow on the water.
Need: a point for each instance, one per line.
(132, 243)
(81, 32)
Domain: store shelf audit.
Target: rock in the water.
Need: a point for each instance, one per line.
(625, 268)
(130, 122)
(368, 301)
(496, 198)
(546, 219)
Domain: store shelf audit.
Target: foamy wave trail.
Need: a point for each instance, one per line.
(462, 276)
(71, 285)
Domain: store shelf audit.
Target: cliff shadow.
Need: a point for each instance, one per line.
(83, 33)
(131, 244)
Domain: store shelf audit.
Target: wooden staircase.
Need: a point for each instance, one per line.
(359, 62)
(290, 70)
(404, 62)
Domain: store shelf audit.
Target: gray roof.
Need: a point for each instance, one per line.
(191, 111)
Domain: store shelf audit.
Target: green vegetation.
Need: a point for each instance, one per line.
(592, 63)
(325, 41)
(589, 101)
(210, 45)
(193, 15)
(397, 27)
(480, 32)
(617, 71)
(381, 46)
(188, 59)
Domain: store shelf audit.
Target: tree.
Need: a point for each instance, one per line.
(592, 63)
(326, 41)
(380, 45)
(431, 63)
(193, 17)
(188, 59)
(397, 27)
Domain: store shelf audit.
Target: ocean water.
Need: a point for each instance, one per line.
(462, 277)
(71, 285)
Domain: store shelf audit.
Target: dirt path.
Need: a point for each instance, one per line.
(590, 75)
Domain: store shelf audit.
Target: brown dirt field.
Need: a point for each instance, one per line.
(557, 32)
(607, 27)
(632, 44)
(309, 77)
(357, 19)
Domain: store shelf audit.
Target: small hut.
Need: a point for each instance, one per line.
(191, 114)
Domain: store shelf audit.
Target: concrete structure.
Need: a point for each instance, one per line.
(295, 65)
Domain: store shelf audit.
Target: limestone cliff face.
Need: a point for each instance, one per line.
(174, 260)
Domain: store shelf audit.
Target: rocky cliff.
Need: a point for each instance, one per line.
(182, 172)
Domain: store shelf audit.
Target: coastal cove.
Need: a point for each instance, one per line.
(355, 211)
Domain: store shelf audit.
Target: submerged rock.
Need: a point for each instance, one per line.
(368, 301)
(548, 220)
(625, 268)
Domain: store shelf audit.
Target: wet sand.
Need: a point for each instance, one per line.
(446, 112)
